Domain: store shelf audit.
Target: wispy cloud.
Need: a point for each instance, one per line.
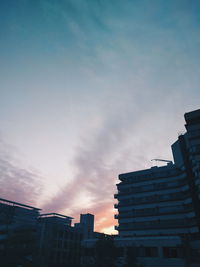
(17, 183)
(98, 162)
(102, 156)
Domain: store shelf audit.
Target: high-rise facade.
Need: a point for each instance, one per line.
(164, 201)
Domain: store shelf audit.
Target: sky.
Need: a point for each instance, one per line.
(90, 89)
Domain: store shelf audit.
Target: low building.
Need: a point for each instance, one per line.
(31, 239)
(18, 234)
(59, 244)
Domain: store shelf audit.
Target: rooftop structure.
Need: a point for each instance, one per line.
(86, 225)
(56, 217)
(16, 204)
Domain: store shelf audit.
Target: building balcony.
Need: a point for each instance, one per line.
(154, 199)
(151, 188)
(155, 211)
(152, 175)
(178, 223)
(129, 214)
(116, 216)
(116, 205)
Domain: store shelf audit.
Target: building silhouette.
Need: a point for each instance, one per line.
(159, 208)
(19, 234)
(59, 242)
(31, 239)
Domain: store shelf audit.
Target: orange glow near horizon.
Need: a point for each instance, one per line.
(104, 219)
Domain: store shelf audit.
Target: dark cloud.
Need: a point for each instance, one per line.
(17, 183)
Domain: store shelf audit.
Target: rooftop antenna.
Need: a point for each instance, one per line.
(169, 162)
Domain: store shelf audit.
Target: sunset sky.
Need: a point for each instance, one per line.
(90, 89)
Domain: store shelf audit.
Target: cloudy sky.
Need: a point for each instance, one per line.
(90, 89)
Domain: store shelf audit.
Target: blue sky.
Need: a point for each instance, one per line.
(88, 90)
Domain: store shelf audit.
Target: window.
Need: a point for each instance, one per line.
(151, 252)
(170, 252)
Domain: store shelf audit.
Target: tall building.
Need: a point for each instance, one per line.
(159, 208)
(164, 200)
(155, 201)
